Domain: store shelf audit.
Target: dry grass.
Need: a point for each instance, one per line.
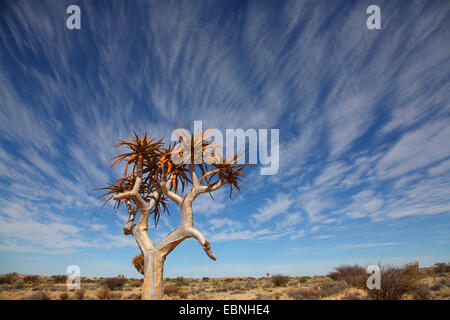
(407, 282)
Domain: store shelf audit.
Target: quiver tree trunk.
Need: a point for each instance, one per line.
(154, 269)
(152, 288)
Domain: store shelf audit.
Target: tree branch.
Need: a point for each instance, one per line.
(138, 230)
(132, 215)
(134, 193)
(169, 242)
(165, 188)
(194, 177)
(202, 240)
(210, 188)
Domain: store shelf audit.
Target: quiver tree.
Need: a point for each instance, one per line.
(153, 176)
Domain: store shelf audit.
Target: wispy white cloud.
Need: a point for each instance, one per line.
(441, 168)
(348, 121)
(368, 245)
(416, 149)
(207, 205)
(297, 234)
(325, 236)
(273, 207)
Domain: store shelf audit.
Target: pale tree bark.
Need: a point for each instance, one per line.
(154, 256)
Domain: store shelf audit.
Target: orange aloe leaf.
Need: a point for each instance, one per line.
(208, 173)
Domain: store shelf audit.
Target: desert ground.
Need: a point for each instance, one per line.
(408, 282)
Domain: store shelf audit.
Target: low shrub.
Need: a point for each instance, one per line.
(354, 275)
(79, 294)
(332, 288)
(265, 297)
(303, 279)
(134, 283)
(59, 278)
(134, 296)
(314, 293)
(395, 282)
(115, 296)
(181, 280)
(421, 292)
(279, 280)
(444, 282)
(352, 296)
(182, 294)
(194, 291)
(103, 293)
(442, 267)
(436, 287)
(19, 284)
(39, 295)
(298, 294)
(171, 290)
(114, 283)
(64, 296)
(31, 279)
(8, 278)
(234, 288)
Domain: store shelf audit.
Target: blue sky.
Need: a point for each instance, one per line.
(364, 121)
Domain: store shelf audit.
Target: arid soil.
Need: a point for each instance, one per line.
(429, 283)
